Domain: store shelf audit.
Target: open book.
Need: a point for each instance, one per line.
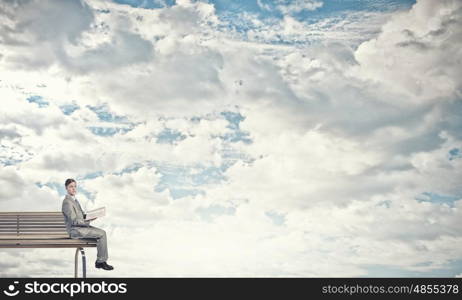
(91, 214)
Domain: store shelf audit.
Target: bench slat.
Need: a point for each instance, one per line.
(11, 235)
(7, 213)
(34, 236)
(31, 217)
(34, 232)
(6, 220)
(14, 234)
(69, 240)
(33, 229)
(55, 243)
(77, 245)
(32, 224)
(32, 221)
(39, 218)
(29, 225)
(20, 225)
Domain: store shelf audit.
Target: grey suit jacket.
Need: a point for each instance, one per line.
(73, 214)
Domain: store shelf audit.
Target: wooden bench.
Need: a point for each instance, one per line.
(40, 230)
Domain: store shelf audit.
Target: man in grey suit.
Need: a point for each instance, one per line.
(78, 227)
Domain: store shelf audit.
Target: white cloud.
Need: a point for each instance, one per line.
(36, 42)
(415, 52)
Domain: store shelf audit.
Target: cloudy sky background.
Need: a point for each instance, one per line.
(238, 138)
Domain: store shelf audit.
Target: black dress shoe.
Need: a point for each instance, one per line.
(103, 265)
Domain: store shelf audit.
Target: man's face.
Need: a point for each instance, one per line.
(72, 188)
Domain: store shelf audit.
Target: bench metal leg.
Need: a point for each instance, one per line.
(84, 266)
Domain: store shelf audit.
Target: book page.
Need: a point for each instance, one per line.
(99, 212)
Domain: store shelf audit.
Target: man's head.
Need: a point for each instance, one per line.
(71, 186)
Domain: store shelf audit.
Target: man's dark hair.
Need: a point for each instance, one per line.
(69, 181)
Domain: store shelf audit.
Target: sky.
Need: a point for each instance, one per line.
(302, 138)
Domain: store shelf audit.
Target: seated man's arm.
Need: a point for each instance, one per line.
(69, 212)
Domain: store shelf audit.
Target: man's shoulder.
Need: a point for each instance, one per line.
(66, 200)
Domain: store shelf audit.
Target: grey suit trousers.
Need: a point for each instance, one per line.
(78, 227)
(93, 232)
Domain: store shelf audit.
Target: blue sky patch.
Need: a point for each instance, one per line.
(269, 8)
(130, 169)
(104, 115)
(239, 17)
(59, 187)
(174, 177)
(185, 180)
(438, 198)
(91, 175)
(180, 193)
(237, 134)
(209, 213)
(277, 218)
(9, 162)
(38, 100)
(233, 118)
(108, 131)
(149, 4)
(454, 267)
(102, 111)
(169, 136)
(454, 153)
(68, 109)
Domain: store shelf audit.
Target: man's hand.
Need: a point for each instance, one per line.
(88, 220)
